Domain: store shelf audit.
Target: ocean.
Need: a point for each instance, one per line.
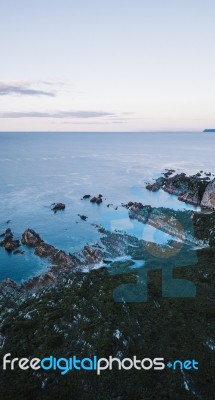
(38, 169)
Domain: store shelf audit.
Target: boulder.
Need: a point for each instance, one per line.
(208, 199)
(30, 238)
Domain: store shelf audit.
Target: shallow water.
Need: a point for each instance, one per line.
(38, 169)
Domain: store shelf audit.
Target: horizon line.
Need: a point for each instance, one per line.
(146, 131)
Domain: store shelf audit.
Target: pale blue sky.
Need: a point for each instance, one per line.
(123, 65)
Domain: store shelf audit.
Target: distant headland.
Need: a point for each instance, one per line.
(209, 130)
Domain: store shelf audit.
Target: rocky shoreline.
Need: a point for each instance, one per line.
(193, 228)
(195, 189)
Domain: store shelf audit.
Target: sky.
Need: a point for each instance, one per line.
(114, 65)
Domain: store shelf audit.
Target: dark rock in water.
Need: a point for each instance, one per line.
(83, 217)
(154, 187)
(58, 207)
(168, 173)
(10, 246)
(133, 205)
(30, 238)
(97, 199)
(9, 243)
(86, 196)
(18, 252)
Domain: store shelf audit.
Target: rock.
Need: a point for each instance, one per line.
(92, 255)
(168, 172)
(133, 205)
(10, 246)
(8, 243)
(58, 258)
(189, 189)
(154, 187)
(97, 199)
(178, 224)
(31, 239)
(83, 217)
(58, 207)
(18, 252)
(208, 199)
(86, 196)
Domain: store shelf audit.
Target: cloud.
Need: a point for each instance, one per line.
(23, 89)
(56, 114)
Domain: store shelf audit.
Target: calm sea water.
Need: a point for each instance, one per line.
(38, 169)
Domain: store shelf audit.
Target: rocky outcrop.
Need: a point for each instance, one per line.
(58, 257)
(8, 242)
(189, 189)
(208, 199)
(179, 224)
(61, 263)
